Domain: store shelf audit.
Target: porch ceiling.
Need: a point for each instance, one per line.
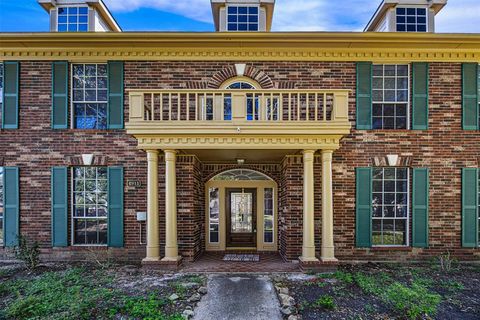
(250, 156)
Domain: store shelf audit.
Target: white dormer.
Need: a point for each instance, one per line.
(242, 15)
(79, 16)
(405, 16)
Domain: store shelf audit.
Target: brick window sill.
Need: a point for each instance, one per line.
(406, 249)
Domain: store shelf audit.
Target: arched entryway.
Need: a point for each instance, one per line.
(241, 211)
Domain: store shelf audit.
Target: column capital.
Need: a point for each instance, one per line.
(170, 154)
(308, 155)
(327, 155)
(152, 155)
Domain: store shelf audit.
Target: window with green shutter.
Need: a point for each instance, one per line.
(2, 207)
(383, 96)
(11, 206)
(383, 207)
(470, 96)
(97, 95)
(10, 94)
(470, 207)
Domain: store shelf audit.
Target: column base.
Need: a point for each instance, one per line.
(165, 264)
(318, 266)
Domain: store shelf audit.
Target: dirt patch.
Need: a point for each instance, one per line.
(89, 292)
(378, 291)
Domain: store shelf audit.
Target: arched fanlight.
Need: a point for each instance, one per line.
(240, 175)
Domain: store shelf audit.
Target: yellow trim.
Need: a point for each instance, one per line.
(260, 186)
(256, 46)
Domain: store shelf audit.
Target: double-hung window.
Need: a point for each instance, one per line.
(90, 96)
(390, 205)
(411, 19)
(90, 205)
(72, 19)
(390, 96)
(242, 18)
(2, 206)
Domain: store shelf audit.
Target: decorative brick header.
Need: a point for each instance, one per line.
(383, 162)
(78, 161)
(250, 72)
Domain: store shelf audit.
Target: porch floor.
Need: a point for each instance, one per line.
(213, 262)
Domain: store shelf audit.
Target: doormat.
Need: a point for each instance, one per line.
(242, 257)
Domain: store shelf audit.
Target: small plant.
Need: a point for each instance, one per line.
(446, 262)
(413, 302)
(99, 258)
(28, 252)
(344, 277)
(325, 302)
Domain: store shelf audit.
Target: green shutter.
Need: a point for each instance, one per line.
(11, 74)
(115, 95)
(420, 208)
(420, 96)
(60, 95)
(59, 207)
(364, 95)
(364, 207)
(115, 207)
(12, 204)
(470, 96)
(470, 208)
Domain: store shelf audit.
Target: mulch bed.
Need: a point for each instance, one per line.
(459, 290)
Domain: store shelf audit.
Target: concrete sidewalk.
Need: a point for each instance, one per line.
(239, 297)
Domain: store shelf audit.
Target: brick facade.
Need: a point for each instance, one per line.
(445, 148)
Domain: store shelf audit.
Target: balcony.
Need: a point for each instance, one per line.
(230, 114)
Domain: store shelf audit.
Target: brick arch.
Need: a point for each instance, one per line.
(250, 72)
(223, 168)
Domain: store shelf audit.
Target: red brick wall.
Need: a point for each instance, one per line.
(444, 148)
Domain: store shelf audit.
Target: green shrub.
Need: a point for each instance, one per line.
(344, 277)
(28, 252)
(325, 302)
(412, 302)
(144, 308)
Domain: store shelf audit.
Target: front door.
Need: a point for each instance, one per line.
(241, 219)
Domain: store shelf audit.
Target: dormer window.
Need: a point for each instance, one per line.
(411, 19)
(72, 19)
(242, 18)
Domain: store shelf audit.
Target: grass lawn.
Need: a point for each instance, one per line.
(381, 291)
(85, 292)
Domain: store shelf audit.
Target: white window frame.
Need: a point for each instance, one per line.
(407, 223)
(72, 208)
(395, 102)
(72, 101)
(210, 223)
(248, 23)
(427, 17)
(273, 216)
(68, 23)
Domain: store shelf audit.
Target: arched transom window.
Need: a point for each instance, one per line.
(240, 85)
(240, 175)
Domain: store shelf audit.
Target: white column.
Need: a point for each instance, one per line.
(153, 244)
(308, 247)
(171, 244)
(328, 249)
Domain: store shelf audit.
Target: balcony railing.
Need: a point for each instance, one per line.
(238, 106)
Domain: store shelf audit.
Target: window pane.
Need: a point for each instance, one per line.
(214, 214)
(390, 206)
(268, 215)
(90, 205)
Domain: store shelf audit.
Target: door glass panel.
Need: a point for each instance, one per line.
(241, 211)
(214, 214)
(268, 216)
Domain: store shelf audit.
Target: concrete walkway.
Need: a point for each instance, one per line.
(239, 297)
